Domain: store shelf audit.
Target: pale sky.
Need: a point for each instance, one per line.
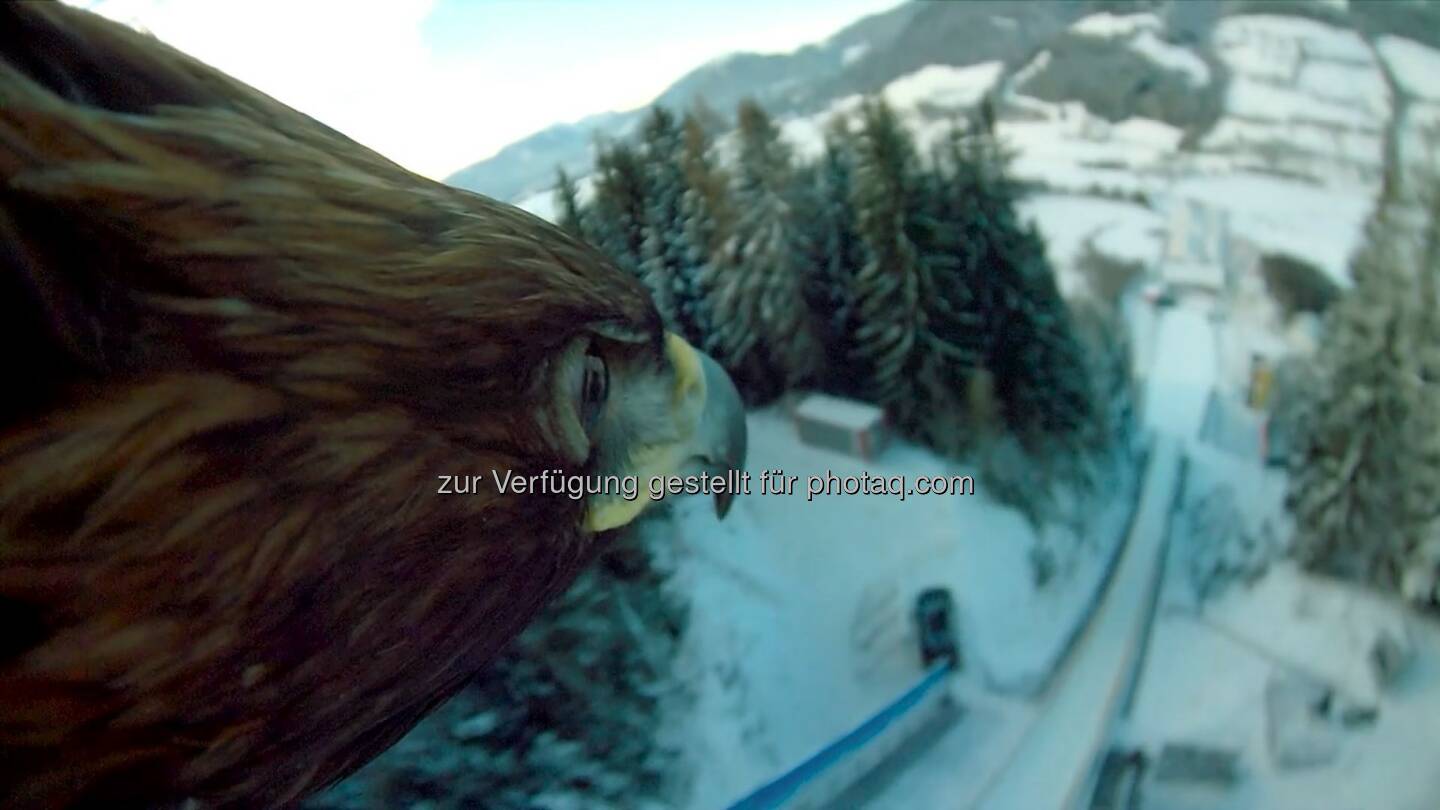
(438, 84)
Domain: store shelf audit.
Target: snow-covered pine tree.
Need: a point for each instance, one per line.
(571, 216)
(619, 207)
(1365, 477)
(665, 265)
(763, 328)
(1427, 493)
(1103, 333)
(1425, 503)
(1014, 318)
(903, 290)
(708, 227)
(959, 327)
(890, 283)
(836, 255)
(712, 124)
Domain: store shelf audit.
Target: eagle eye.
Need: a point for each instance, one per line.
(594, 389)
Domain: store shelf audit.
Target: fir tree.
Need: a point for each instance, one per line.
(708, 226)
(620, 205)
(903, 312)
(763, 328)
(711, 123)
(1009, 314)
(567, 204)
(665, 264)
(836, 255)
(1365, 478)
(888, 286)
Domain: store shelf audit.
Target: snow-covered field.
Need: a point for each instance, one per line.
(1140, 33)
(801, 624)
(1417, 68)
(943, 85)
(1303, 97)
(1205, 677)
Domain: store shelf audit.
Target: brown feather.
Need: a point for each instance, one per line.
(246, 348)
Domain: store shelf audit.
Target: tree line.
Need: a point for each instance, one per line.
(871, 271)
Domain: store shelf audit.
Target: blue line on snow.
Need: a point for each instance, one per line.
(775, 792)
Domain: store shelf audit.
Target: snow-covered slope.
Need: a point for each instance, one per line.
(1304, 98)
(1171, 56)
(926, 99)
(1296, 152)
(800, 613)
(1205, 676)
(1296, 157)
(1416, 69)
(1294, 160)
(943, 85)
(861, 58)
(1107, 24)
(1142, 34)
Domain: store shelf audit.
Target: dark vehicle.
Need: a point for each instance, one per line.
(1118, 786)
(935, 624)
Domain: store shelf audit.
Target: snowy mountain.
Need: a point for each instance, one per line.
(1283, 119)
(860, 58)
(1297, 90)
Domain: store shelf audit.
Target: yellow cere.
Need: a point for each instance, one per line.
(688, 373)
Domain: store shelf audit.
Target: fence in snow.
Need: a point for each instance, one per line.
(823, 776)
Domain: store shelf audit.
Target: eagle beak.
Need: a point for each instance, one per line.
(710, 424)
(721, 434)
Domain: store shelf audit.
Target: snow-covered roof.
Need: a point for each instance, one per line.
(846, 413)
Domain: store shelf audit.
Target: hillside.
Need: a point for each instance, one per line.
(860, 58)
(1279, 92)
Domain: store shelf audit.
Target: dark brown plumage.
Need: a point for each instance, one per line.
(240, 350)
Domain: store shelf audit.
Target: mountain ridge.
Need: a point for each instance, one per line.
(859, 58)
(874, 51)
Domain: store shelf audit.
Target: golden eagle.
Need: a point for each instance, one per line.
(243, 352)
